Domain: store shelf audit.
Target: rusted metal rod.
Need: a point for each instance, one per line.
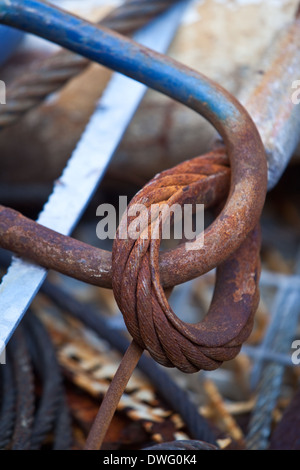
(231, 242)
(89, 264)
(243, 143)
(261, 97)
(113, 396)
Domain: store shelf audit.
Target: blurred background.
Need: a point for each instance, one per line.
(226, 41)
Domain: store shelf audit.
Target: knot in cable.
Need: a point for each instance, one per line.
(136, 275)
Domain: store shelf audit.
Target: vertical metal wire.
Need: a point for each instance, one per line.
(269, 377)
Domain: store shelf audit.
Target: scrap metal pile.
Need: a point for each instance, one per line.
(122, 344)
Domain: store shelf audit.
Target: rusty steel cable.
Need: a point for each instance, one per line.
(176, 397)
(222, 182)
(232, 241)
(210, 185)
(49, 75)
(143, 302)
(40, 346)
(243, 144)
(140, 296)
(200, 184)
(160, 309)
(52, 394)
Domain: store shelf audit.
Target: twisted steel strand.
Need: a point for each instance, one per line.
(49, 75)
(133, 14)
(143, 302)
(183, 445)
(45, 362)
(24, 379)
(136, 278)
(278, 339)
(8, 403)
(261, 419)
(206, 179)
(63, 426)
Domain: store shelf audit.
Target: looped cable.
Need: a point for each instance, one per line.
(141, 297)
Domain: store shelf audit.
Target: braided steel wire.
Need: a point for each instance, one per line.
(49, 75)
(136, 277)
(52, 395)
(278, 339)
(8, 403)
(24, 378)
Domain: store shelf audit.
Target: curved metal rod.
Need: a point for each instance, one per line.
(222, 110)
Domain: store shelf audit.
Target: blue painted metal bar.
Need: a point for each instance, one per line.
(228, 116)
(10, 38)
(114, 52)
(83, 172)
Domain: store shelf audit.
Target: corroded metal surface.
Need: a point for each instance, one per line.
(243, 143)
(141, 298)
(85, 168)
(175, 397)
(231, 242)
(90, 264)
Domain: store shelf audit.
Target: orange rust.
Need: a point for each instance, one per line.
(140, 295)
